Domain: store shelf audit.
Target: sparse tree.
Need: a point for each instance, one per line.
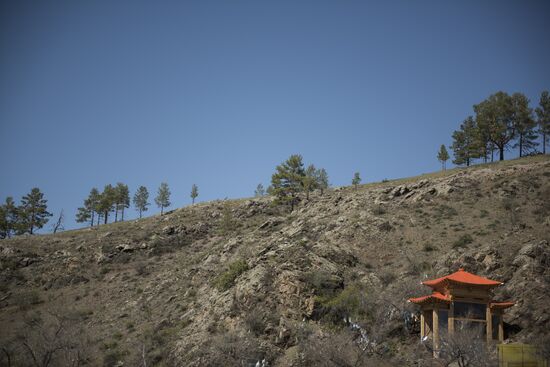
(163, 197)
(140, 200)
(322, 180)
(8, 218)
(356, 180)
(443, 156)
(33, 212)
(107, 201)
(467, 143)
(260, 191)
(287, 181)
(194, 193)
(543, 121)
(495, 115)
(59, 223)
(84, 215)
(122, 199)
(524, 124)
(309, 181)
(91, 204)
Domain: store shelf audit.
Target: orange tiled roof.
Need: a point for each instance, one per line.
(462, 277)
(502, 305)
(435, 297)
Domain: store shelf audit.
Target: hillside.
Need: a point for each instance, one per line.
(231, 283)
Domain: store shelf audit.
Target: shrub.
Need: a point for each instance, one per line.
(379, 210)
(349, 302)
(428, 247)
(27, 299)
(226, 280)
(386, 227)
(462, 241)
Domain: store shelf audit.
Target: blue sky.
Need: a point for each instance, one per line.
(218, 93)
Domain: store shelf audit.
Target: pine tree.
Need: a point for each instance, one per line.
(443, 156)
(524, 124)
(8, 218)
(194, 193)
(309, 181)
(543, 121)
(140, 199)
(122, 195)
(93, 203)
(107, 201)
(287, 181)
(33, 211)
(495, 115)
(163, 197)
(84, 214)
(260, 191)
(356, 180)
(322, 180)
(87, 212)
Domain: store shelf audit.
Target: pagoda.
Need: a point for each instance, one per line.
(458, 301)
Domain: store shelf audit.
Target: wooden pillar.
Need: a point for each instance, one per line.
(500, 327)
(451, 319)
(489, 323)
(435, 331)
(422, 325)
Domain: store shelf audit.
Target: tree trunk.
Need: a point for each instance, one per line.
(161, 210)
(122, 214)
(139, 213)
(468, 162)
(92, 222)
(520, 146)
(543, 143)
(32, 220)
(116, 213)
(106, 216)
(501, 153)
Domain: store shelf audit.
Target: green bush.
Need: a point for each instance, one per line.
(349, 302)
(462, 241)
(226, 280)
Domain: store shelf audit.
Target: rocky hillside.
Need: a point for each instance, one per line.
(237, 282)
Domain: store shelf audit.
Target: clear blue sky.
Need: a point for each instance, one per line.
(218, 93)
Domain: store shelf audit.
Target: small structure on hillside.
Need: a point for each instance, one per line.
(461, 300)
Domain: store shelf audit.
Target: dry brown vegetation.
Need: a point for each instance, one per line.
(236, 282)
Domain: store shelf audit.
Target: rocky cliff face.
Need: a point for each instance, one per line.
(238, 282)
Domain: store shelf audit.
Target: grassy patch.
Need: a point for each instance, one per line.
(226, 280)
(463, 241)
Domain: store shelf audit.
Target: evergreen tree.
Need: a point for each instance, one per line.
(543, 121)
(4, 229)
(140, 199)
(92, 204)
(107, 201)
(194, 193)
(33, 212)
(495, 115)
(322, 180)
(87, 212)
(259, 192)
(309, 181)
(356, 180)
(287, 181)
(122, 195)
(524, 124)
(443, 156)
(8, 218)
(163, 197)
(84, 214)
